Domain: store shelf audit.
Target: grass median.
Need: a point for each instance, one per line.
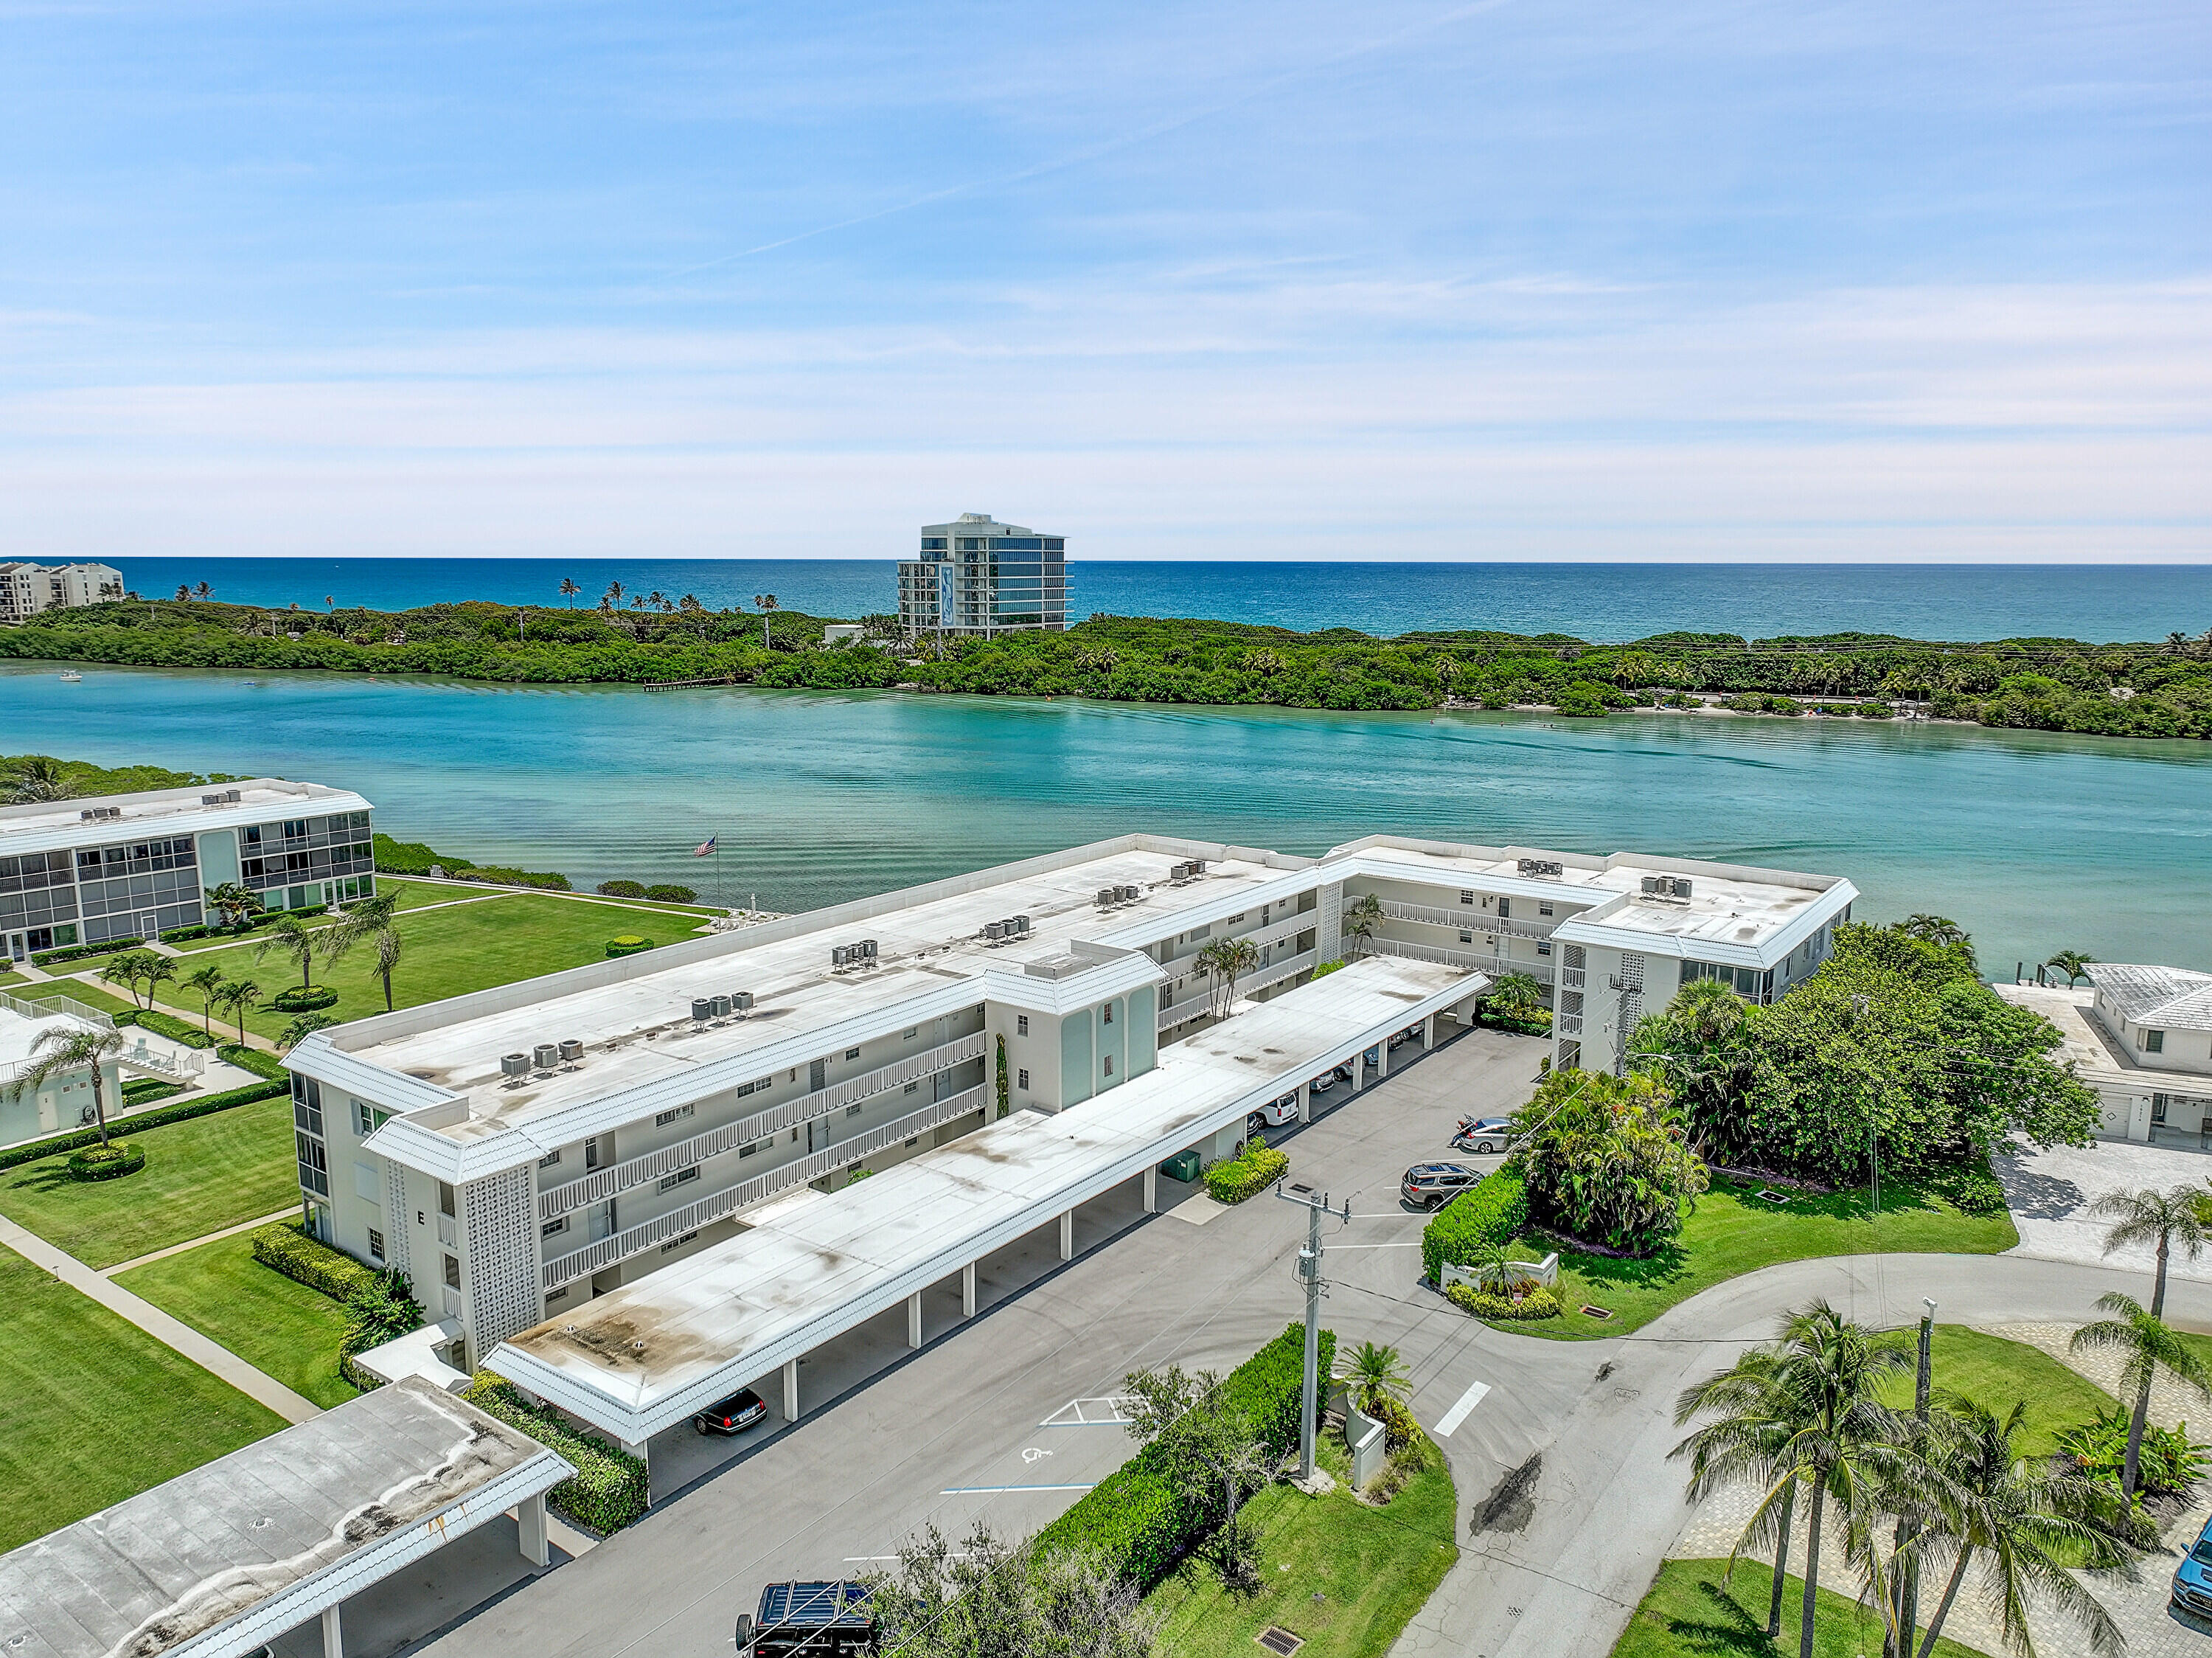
(97, 1409)
(1691, 1614)
(1734, 1231)
(280, 1327)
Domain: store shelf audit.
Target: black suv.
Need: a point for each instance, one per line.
(1431, 1185)
(808, 1620)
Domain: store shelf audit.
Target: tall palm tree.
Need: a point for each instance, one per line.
(289, 936)
(1375, 1374)
(2149, 1347)
(2072, 963)
(1361, 920)
(2027, 1525)
(124, 968)
(614, 595)
(1758, 1420)
(206, 982)
(80, 1049)
(374, 920)
(1225, 960)
(2164, 1218)
(159, 970)
(569, 591)
(204, 592)
(34, 779)
(1808, 1414)
(236, 997)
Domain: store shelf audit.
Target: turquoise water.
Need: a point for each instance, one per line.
(2034, 841)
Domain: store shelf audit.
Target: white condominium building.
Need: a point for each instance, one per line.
(135, 866)
(27, 590)
(542, 1151)
(978, 576)
(2141, 1038)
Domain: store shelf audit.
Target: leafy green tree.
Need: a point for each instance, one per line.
(384, 1309)
(1700, 1045)
(33, 780)
(290, 937)
(2146, 1346)
(66, 1049)
(1607, 1158)
(1207, 1449)
(1516, 995)
(204, 983)
(2164, 1219)
(993, 1599)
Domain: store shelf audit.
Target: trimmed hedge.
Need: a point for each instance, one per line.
(494, 874)
(621, 889)
(169, 1025)
(144, 1090)
(1254, 1170)
(1134, 1520)
(283, 1246)
(82, 951)
(304, 998)
(627, 944)
(1538, 1303)
(253, 1060)
(668, 893)
(608, 1490)
(1467, 1228)
(183, 1111)
(1538, 1023)
(106, 1163)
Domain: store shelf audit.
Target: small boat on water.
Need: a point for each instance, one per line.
(70, 676)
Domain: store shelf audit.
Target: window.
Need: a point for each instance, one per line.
(908, 1034)
(560, 1295)
(375, 1244)
(678, 1243)
(667, 1117)
(552, 1228)
(852, 1053)
(2158, 1103)
(1543, 909)
(1106, 1014)
(852, 1110)
(1021, 1024)
(445, 1198)
(453, 1272)
(2154, 1041)
(314, 1170)
(1544, 947)
(682, 1177)
(754, 1087)
(1465, 936)
(1505, 908)
(366, 1119)
(550, 1159)
(1022, 1080)
(748, 1148)
(1108, 1070)
(1466, 894)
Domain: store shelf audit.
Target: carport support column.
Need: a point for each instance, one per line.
(1151, 1189)
(1429, 1034)
(529, 1520)
(968, 1290)
(791, 1390)
(1067, 1236)
(913, 1319)
(333, 1639)
(1305, 1101)
(1382, 1058)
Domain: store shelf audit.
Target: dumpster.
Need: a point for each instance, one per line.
(1183, 1165)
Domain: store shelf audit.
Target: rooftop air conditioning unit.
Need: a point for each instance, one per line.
(231, 797)
(546, 1055)
(1020, 924)
(1680, 886)
(212, 800)
(702, 1009)
(514, 1064)
(867, 949)
(721, 1007)
(994, 930)
(1105, 898)
(741, 1001)
(1540, 868)
(571, 1051)
(1128, 894)
(841, 955)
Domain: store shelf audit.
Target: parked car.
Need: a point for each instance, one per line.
(1431, 1185)
(1484, 1134)
(808, 1620)
(733, 1415)
(2192, 1581)
(1324, 1083)
(1274, 1114)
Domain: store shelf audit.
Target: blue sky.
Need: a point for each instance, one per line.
(1492, 281)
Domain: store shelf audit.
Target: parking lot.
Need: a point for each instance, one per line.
(1008, 1417)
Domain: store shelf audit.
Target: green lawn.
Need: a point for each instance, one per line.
(1690, 1613)
(200, 1176)
(98, 1411)
(1374, 1568)
(1733, 1232)
(1997, 1373)
(280, 1327)
(101, 997)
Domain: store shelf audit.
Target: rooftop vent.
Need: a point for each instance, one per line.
(97, 814)
(546, 1055)
(571, 1051)
(1541, 868)
(514, 1065)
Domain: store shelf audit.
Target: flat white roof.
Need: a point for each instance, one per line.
(643, 1357)
(221, 1559)
(19, 1031)
(54, 826)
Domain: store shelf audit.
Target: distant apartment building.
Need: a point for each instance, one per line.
(978, 576)
(27, 591)
(136, 865)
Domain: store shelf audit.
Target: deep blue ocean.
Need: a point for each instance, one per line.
(2098, 603)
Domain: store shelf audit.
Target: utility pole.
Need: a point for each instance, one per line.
(1310, 1274)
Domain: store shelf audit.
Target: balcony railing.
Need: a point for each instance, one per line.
(1469, 960)
(556, 1201)
(1193, 1007)
(1480, 920)
(620, 1246)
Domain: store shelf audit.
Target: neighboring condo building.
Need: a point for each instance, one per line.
(63, 1100)
(27, 590)
(524, 1150)
(978, 576)
(135, 866)
(2141, 1038)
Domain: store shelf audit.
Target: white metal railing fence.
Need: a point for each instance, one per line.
(1480, 920)
(636, 1240)
(46, 1006)
(1468, 961)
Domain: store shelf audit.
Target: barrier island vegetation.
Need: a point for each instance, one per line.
(2144, 689)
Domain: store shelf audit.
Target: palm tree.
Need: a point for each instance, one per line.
(81, 1049)
(1361, 920)
(157, 971)
(34, 779)
(1375, 1374)
(206, 981)
(2164, 1218)
(2027, 1526)
(291, 937)
(614, 595)
(1932, 930)
(183, 591)
(123, 968)
(2072, 963)
(2149, 1347)
(303, 1026)
(235, 903)
(1225, 960)
(2177, 643)
(1516, 994)
(204, 592)
(569, 591)
(236, 997)
(373, 918)
(1804, 1411)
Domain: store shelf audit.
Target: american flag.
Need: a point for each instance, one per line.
(705, 846)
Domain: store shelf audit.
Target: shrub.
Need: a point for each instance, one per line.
(382, 1310)
(181, 1112)
(1133, 1521)
(495, 874)
(1535, 1022)
(1537, 1303)
(82, 951)
(406, 857)
(1582, 701)
(1607, 1158)
(163, 1024)
(1256, 1168)
(627, 944)
(608, 1490)
(106, 1163)
(2168, 1459)
(144, 1090)
(253, 1060)
(283, 1247)
(1467, 1228)
(304, 998)
(669, 893)
(1323, 969)
(621, 889)
(1969, 1186)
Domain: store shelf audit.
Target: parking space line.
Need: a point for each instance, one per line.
(1458, 1412)
(992, 1491)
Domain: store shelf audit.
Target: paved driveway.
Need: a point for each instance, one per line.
(2050, 1192)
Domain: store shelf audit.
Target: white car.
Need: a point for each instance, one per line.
(1274, 1114)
